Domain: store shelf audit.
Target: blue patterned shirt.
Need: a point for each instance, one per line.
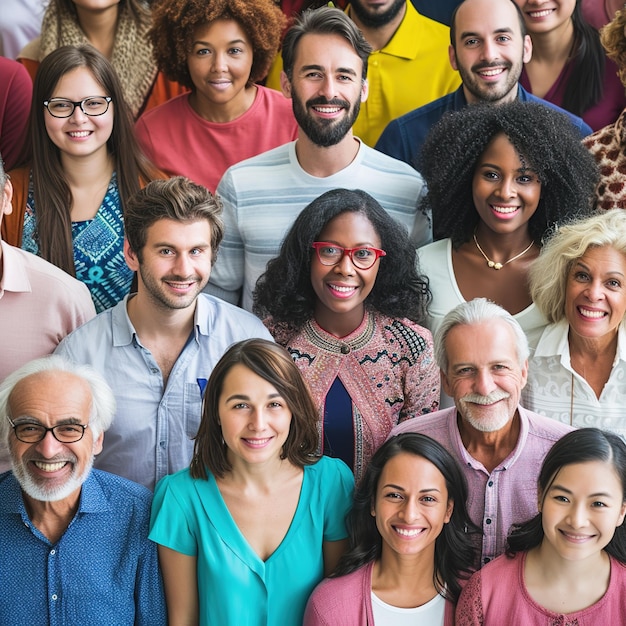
(98, 248)
(103, 571)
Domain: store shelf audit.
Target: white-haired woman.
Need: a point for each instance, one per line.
(578, 370)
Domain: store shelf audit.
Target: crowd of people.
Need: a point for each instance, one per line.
(313, 313)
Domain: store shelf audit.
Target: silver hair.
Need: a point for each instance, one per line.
(478, 311)
(103, 404)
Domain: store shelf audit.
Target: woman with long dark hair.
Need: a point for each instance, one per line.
(410, 541)
(568, 66)
(69, 199)
(567, 565)
(345, 298)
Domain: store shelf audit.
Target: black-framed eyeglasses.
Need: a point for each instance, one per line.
(92, 106)
(31, 432)
(362, 257)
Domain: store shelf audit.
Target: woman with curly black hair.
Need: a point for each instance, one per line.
(499, 179)
(218, 49)
(345, 298)
(410, 541)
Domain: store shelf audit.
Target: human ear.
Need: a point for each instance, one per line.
(449, 511)
(131, 257)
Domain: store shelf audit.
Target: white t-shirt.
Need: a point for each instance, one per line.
(429, 614)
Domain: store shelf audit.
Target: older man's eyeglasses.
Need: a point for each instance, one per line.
(92, 106)
(31, 432)
(331, 254)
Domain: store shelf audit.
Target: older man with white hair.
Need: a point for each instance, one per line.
(75, 540)
(482, 353)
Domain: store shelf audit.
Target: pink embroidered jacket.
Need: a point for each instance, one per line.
(386, 365)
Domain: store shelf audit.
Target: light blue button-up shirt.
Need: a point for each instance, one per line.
(152, 433)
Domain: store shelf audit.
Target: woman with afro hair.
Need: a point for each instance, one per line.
(345, 298)
(219, 50)
(499, 179)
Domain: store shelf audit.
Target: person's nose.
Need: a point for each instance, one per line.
(49, 447)
(410, 512)
(78, 116)
(577, 515)
(219, 63)
(484, 383)
(344, 266)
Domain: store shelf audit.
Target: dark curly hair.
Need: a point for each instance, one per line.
(174, 23)
(455, 547)
(544, 137)
(285, 291)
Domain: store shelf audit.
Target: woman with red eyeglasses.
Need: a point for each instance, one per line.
(345, 298)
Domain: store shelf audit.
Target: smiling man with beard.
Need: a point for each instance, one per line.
(325, 67)
(482, 352)
(75, 546)
(488, 46)
(408, 67)
(157, 348)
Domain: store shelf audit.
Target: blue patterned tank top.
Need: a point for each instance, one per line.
(98, 248)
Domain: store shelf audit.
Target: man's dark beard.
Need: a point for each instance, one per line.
(324, 133)
(376, 20)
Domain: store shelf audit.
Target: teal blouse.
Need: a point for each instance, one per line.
(235, 586)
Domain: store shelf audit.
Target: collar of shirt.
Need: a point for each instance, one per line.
(124, 332)
(14, 274)
(468, 459)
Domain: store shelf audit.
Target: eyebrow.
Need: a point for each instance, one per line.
(479, 35)
(208, 43)
(400, 488)
(570, 492)
(365, 244)
(164, 244)
(498, 167)
(27, 419)
(241, 396)
(319, 68)
(579, 263)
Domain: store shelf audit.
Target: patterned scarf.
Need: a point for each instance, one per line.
(132, 51)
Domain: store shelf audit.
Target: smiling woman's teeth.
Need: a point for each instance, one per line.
(536, 14)
(406, 532)
(591, 314)
(504, 209)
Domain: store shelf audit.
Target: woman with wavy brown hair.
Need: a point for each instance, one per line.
(257, 520)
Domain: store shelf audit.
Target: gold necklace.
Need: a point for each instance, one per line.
(495, 265)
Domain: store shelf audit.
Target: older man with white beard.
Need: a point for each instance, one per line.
(75, 546)
(483, 355)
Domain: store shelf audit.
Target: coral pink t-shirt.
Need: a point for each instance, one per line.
(180, 142)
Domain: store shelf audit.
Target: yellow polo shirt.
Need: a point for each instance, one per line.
(413, 69)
